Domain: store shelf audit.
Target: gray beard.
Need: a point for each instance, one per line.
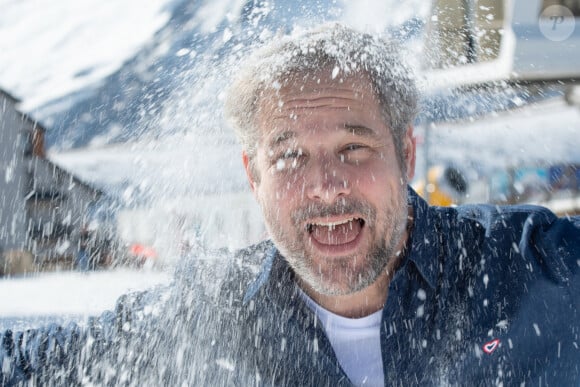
(378, 258)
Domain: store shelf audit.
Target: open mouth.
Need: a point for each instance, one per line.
(337, 232)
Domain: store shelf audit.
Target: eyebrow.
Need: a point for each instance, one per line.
(281, 137)
(360, 130)
(357, 130)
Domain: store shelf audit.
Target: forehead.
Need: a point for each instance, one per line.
(323, 96)
(311, 85)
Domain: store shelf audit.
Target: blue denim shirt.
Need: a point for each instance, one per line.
(486, 295)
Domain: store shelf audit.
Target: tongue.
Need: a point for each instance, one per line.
(337, 235)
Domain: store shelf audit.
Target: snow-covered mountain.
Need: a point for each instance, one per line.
(54, 55)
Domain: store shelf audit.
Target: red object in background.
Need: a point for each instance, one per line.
(142, 251)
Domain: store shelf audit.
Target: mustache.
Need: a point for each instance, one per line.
(340, 207)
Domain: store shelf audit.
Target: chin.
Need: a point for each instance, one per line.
(341, 281)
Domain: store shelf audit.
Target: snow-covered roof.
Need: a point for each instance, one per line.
(537, 133)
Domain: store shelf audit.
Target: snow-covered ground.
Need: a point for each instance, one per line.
(544, 132)
(68, 296)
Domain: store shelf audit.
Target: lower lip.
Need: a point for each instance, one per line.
(337, 250)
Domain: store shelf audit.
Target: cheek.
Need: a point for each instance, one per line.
(285, 187)
(372, 177)
(379, 186)
(277, 199)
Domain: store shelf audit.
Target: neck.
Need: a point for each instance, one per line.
(366, 301)
(355, 305)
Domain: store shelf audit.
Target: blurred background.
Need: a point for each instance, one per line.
(115, 159)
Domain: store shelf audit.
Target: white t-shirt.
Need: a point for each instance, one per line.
(356, 342)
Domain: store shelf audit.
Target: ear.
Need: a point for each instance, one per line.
(410, 149)
(249, 172)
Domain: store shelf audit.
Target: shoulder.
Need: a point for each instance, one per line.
(222, 264)
(507, 244)
(532, 237)
(480, 223)
(205, 272)
(526, 223)
(532, 225)
(493, 217)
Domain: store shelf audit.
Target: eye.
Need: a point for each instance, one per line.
(353, 147)
(291, 158)
(355, 153)
(292, 153)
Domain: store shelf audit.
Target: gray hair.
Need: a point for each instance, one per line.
(330, 46)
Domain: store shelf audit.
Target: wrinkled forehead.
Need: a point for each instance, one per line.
(318, 101)
(304, 86)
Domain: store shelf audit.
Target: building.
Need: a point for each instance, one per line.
(507, 73)
(473, 42)
(45, 212)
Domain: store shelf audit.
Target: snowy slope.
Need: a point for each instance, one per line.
(52, 49)
(545, 132)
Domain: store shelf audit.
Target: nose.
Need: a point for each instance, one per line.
(326, 180)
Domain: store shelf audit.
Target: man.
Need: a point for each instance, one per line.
(362, 283)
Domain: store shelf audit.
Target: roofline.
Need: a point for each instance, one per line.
(35, 123)
(492, 117)
(10, 96)
(75, 178)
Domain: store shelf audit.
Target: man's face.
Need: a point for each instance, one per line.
(327, 178)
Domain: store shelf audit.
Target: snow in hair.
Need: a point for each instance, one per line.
(333, 46)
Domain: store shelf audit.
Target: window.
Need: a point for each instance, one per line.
(462, 32)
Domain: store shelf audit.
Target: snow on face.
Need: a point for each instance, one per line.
(330, 185)
(346, 52)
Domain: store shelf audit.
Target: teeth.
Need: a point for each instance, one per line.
(331, 225)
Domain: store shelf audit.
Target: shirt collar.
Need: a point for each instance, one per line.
(425, 239)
